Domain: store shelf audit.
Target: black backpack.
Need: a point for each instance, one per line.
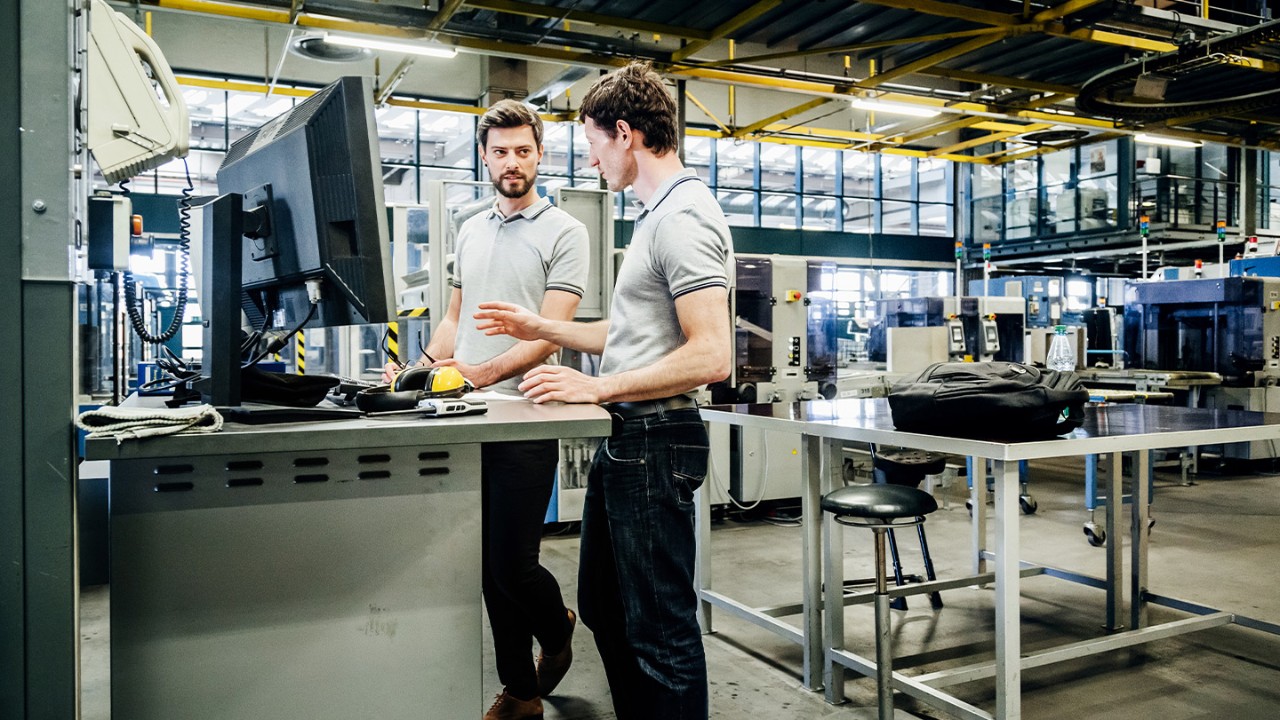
(990, 400)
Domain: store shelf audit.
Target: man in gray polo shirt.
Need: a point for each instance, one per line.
(526, 251)
(669, 335)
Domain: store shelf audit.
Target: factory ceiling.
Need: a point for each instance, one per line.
(1007, 79)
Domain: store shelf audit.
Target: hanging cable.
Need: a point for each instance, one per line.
(184, 264)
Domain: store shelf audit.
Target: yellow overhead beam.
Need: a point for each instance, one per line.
(447, 9)
(707, 112)
(999, 80)
(1063, 10)
(950, 10)
(928, 61)
(513, 7)
(729, 26)
(858, 47)
(788, 113)
(993, 137)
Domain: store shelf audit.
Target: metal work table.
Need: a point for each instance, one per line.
(308, 570)
(1112, 429)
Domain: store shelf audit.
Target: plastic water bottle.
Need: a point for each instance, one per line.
(1062, 353)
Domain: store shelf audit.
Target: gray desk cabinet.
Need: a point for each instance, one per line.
(306, 571)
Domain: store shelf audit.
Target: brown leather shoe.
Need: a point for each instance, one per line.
(509, 707)
(552, 668)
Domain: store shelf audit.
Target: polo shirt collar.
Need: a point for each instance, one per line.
(663, 190)
(537, 208)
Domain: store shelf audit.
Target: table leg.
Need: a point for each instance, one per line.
(812, 482)
(1008, 615)
(833, 607)
(978, 503)
(1141, 539)
(1115, 542)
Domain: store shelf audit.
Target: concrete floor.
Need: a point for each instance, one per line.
(1214, 543)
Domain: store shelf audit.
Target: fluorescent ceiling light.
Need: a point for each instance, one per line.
(1171, 142)
(407, 48)
(893, 108)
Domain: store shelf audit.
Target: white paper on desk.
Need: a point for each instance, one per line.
(491, 395)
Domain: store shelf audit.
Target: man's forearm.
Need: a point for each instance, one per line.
(583, 337)
(517, 360)
(442, 340)
(688, 366)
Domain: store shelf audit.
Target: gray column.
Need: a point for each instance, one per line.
(38, 594)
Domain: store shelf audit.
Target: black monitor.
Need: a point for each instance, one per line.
(298, 237)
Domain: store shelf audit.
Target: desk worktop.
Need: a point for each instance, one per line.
(1110, 428)
(505, 421)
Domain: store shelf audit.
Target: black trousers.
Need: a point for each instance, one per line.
(522, 598)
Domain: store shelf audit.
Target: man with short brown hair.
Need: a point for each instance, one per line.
(669, 335)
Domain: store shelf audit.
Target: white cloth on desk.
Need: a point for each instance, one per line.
(128, 423)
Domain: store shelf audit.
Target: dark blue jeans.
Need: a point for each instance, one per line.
(522, 597)
(635, 584)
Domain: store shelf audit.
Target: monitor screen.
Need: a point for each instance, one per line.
(316, 172)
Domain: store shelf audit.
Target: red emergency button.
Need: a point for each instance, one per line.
(135, 225)
(793, 295)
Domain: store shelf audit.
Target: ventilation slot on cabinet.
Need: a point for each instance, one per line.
(434, 471)
(310, 462)
(434, 455)
(302, 479)
(243, 465)
(373, 459)
(374, 474)
(244, 482)
(174, 487)
(173, 470)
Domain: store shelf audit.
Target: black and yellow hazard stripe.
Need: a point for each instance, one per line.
(300, 353)
(393, 342)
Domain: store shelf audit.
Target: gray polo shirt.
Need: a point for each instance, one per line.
(681, 243)
(514, 259)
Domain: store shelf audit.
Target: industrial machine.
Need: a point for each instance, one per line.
(977, 328)
(1229, 326)
(785, 351)
(1049, 300)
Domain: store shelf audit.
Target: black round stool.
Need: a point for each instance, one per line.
(908, 467)
(880, 507)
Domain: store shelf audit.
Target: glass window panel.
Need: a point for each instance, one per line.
(1098, 204)
(1022, 174)
(859, 215)
(897, 217)
(582, 154)
(397, 131)
(1022, 214)
(777, 167)
(739, 207)
(859, 174)
(1272, 216)
(935, 220)
(400, 183)
(457, 194)
(777, 210)
(446, 139)
(548, 183)
(1215, 163)
(819, 170)
(1060, 209)
(986, 180)
(555, 143)
(209, 133)
(697, 155)
(896, 175)
(1181, 161)
(820, 213)
(1099, 159)
(934, 178)
(987, 219)
(735, 163)
(1058, 166)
